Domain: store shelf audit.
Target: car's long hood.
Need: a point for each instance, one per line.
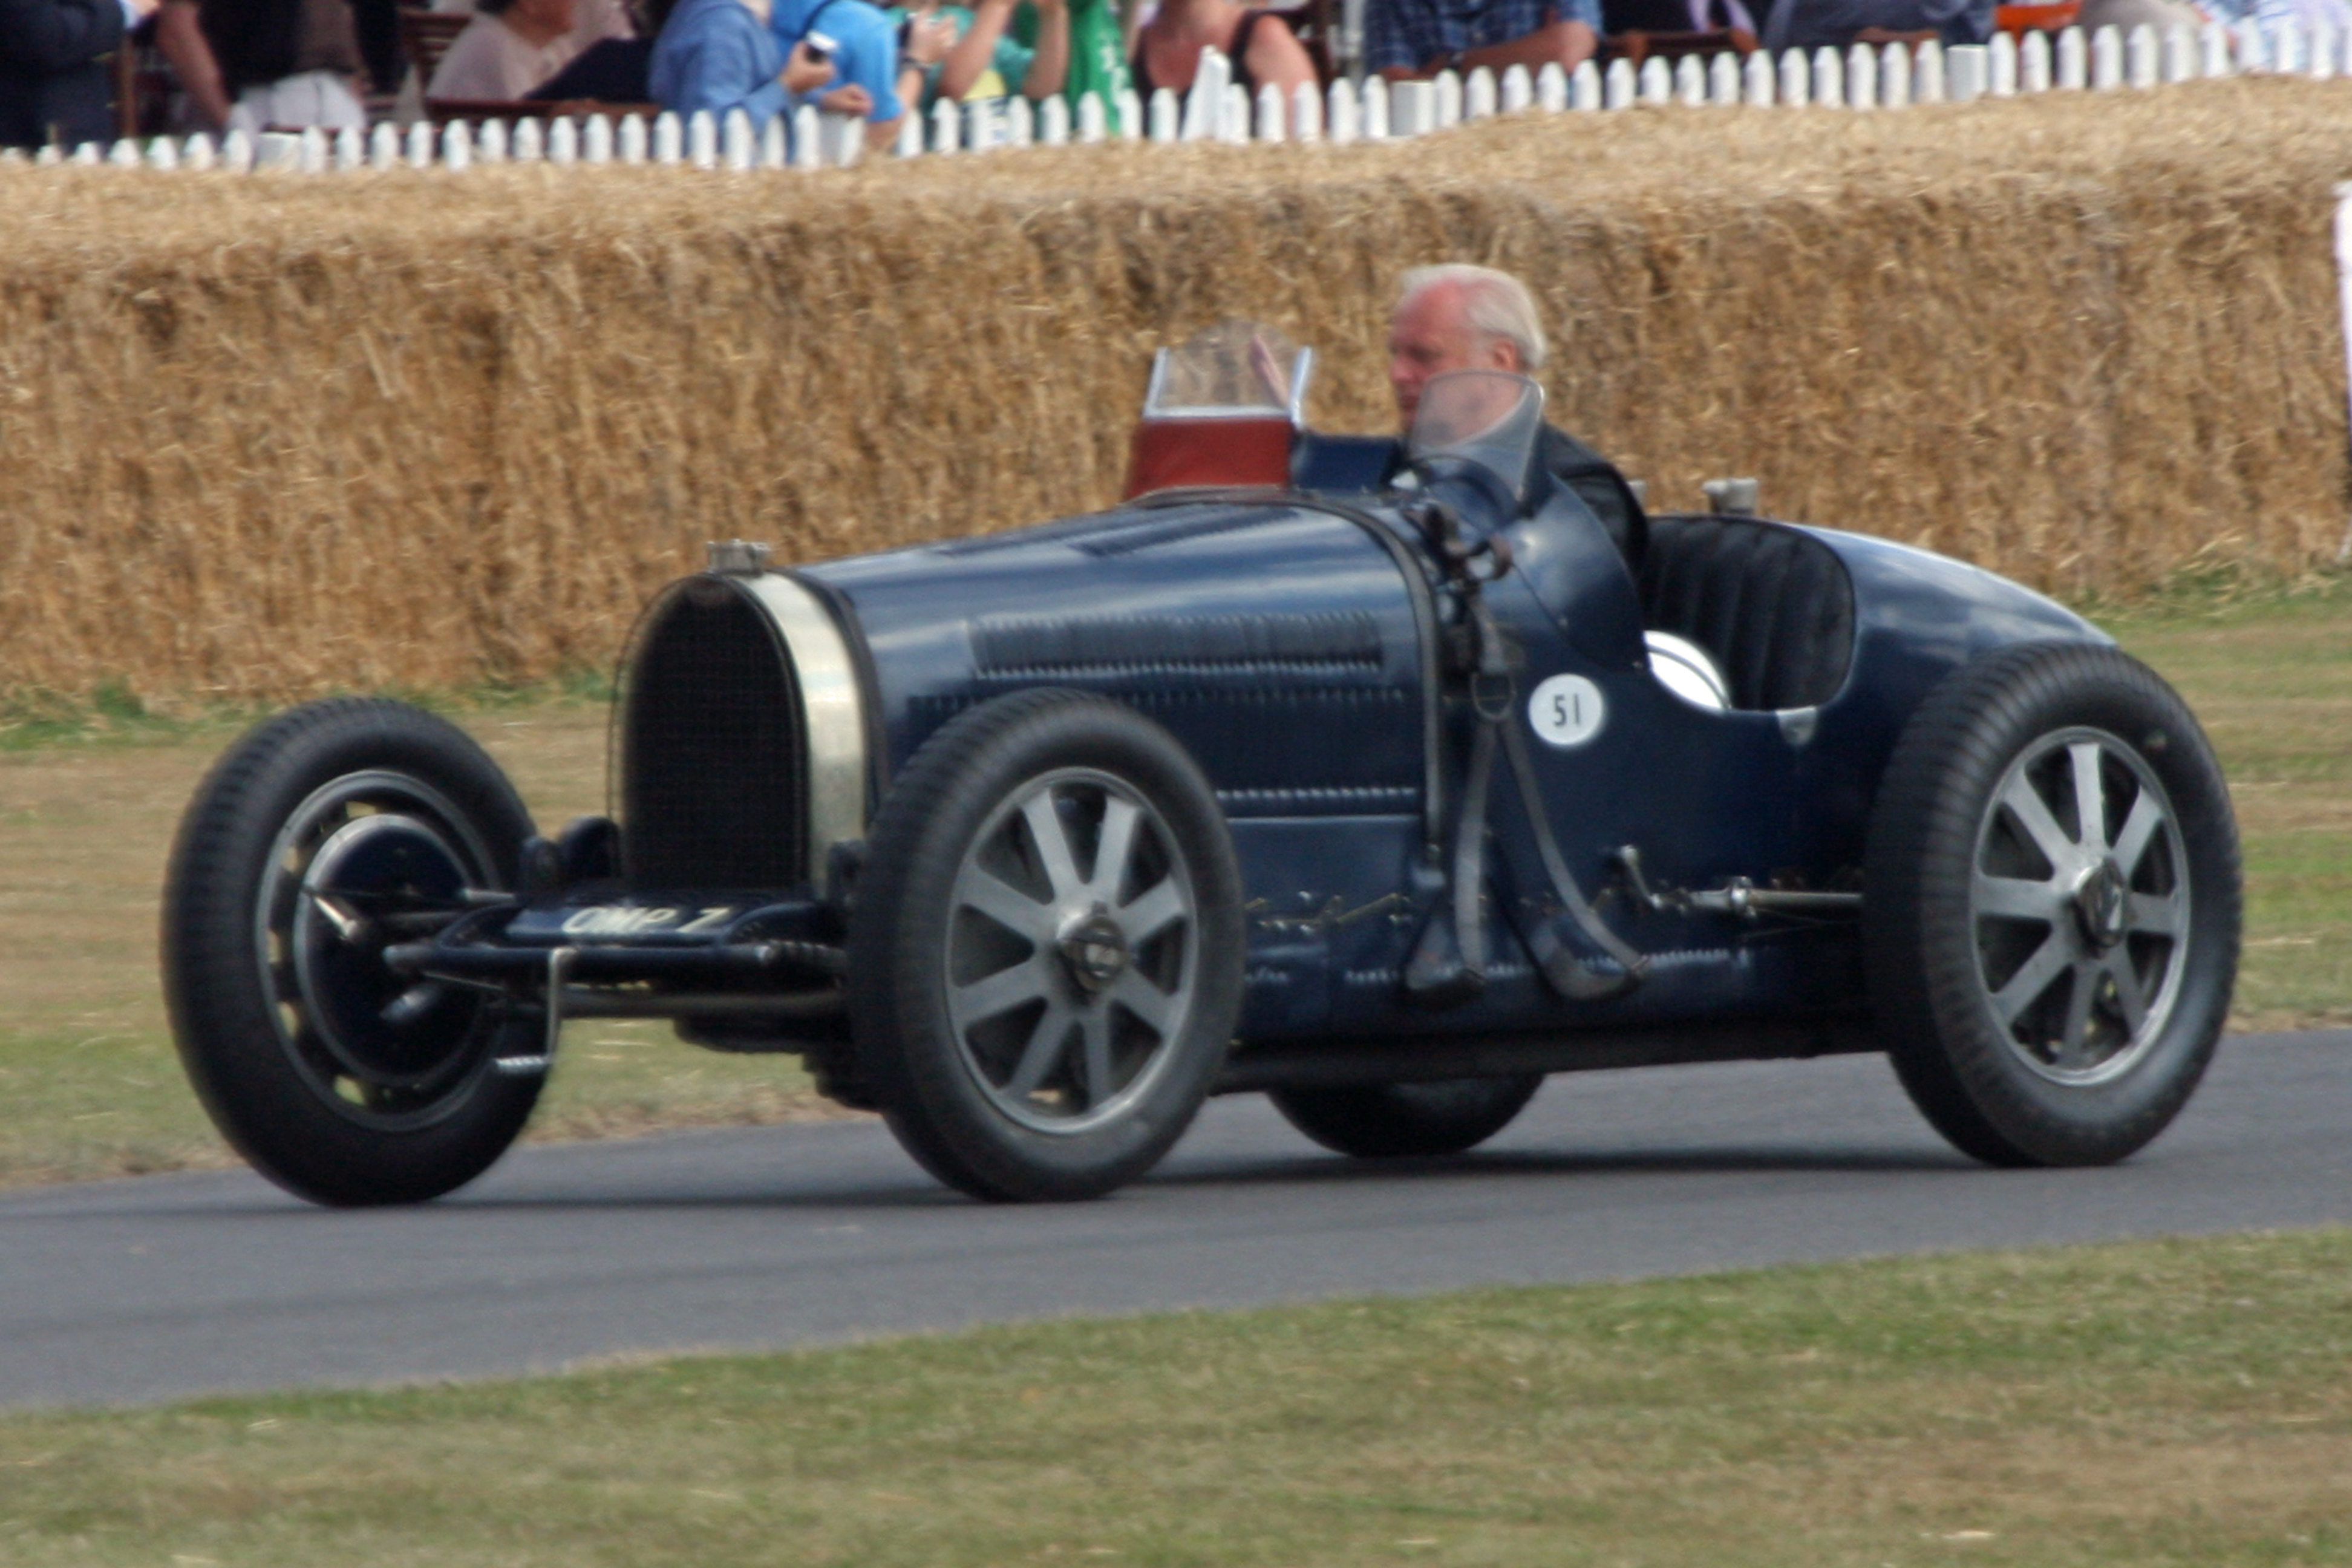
(1281, 642)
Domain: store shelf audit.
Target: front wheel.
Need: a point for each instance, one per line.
(1046, 949)
(321, 838)
(1397, 1120)
(2053, 906)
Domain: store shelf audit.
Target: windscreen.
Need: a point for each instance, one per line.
(1233, 370)
(1490, 417)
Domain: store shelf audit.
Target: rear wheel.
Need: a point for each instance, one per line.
(1045, 950)
(1393, 1121)
(325, 837)
(2052, 913)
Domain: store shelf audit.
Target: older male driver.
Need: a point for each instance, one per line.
(1459, 317)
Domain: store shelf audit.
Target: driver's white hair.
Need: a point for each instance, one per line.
(1497, 305)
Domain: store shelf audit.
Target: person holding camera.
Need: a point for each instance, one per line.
(721, 55)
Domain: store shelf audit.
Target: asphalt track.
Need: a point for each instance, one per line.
(142, 1290)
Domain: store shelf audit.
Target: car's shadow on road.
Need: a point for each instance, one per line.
(1200, 1174)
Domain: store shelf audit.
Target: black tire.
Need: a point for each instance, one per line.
(318, 839)
(1013, 1062)
(2047, 1000)
(1401, 1120)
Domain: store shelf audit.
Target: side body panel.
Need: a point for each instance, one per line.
(1292, 651)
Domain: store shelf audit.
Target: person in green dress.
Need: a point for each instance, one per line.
(1032, 47)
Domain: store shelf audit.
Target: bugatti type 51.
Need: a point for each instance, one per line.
(1377, 776)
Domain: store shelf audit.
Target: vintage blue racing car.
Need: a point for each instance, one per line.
(1375, 775)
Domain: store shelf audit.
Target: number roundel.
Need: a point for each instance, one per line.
(1567, 711)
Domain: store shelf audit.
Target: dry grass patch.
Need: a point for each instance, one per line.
(2184, 1403)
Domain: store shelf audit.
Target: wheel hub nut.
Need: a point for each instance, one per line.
(2099, 901)
(1095, 950)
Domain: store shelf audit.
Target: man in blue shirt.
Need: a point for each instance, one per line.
(719, 54)
(865, 58)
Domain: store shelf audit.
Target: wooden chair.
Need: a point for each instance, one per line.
(426, 37)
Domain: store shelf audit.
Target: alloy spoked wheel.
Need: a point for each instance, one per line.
(1045, 947)
(1073, 959)
(2081, 900)
(2050, 905)
(325, 836)
(371, 859)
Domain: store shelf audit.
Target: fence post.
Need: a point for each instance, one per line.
(1756, 74)
(1205, 106)
(629, 138)
(1862, 77)
(1445, 100)
(808, 138)
(1020, 122)
(1584, 86)
(1690, 81)
(1412, 109)
(198, 154)
(1234, 127)
(2106, 59)
(563, 138)
(1654, 83)
(1723, 79)
(1796, 79)
(1829, 78)
(701, 139)
(383, 145)
(1928, 79)
(2034, 62)
(1273, 123)
(2074, 61)
(980, 127)
(1373, 125)
(1094, 124)
(125, 154)
(737, 148)
(1130, 115)
(2287, 47)
(947, 126)
(1893, 75)
(490, 142)
(420, 144)
(2254, 48)
(1344, 112)
(1964, 72)
(1478, 95)
(669, 137)
(1307, 113)
(1053, 121)
(2213, 50)
(776, 142)
(1518, 90)
(457, 147)
(2323, 49)
(2140, 62)
(88, 156)
(2001, 65)
(530, 144)
(1619, 92)
(596, 139)
(1551, 89)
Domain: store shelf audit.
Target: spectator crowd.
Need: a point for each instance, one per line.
(214, 65)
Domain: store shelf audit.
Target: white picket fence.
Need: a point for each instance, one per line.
(1218, 110)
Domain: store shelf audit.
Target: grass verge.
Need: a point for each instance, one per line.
(2174, 1403)
(88, 807)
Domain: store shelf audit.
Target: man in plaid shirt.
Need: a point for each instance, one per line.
(1409, 40)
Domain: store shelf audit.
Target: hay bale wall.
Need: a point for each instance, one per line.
(265, 437)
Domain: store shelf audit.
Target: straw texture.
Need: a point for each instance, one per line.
(264, 436)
